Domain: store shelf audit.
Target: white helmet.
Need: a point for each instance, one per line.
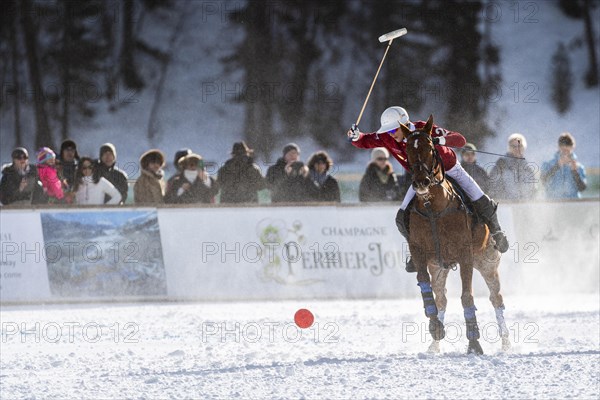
(391, 119)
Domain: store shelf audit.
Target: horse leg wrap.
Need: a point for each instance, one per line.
(500, 320)
(428, 301)
(471, 322)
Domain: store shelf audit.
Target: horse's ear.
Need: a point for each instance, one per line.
(429, 125)
(405, 130)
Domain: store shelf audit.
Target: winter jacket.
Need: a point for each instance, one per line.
(479, 174)
(149, 188)
(68, 172)
(275, 177)
(90, 193)
(561, 182)
(326, 187)
(295, 189)
(398, 149)
(50, 181)
(240, 180)
(115, 176)
(379, 185)
(11, 181)
(199, 191)
(512, 179)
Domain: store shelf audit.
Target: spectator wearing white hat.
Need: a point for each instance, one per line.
(513, 178)
(379, 183)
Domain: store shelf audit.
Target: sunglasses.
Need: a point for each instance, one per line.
(21, 158)
(381, 159)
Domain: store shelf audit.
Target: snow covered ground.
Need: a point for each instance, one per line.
(355, 349)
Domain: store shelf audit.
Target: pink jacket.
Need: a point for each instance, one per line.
(50, 182)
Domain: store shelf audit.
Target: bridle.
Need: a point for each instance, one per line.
(420, 165)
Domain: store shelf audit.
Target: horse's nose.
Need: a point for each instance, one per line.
(426, 182)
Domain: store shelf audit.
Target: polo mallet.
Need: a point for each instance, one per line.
(389, 37)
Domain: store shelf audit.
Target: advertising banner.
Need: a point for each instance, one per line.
(23, 273)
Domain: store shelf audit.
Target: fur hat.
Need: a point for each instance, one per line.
(153, 155)
(44, 154)
(379, 152)
(108, 147)
(519, 137)
(192, 156)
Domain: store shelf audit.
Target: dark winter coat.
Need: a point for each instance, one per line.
(295, 189)
(513, 179)
(115, 176)
(10, 182)
(328, 190)
(374, 187)
(240, 180)
(479, 174)
(275, 177)
(197, 193)
(68, 170)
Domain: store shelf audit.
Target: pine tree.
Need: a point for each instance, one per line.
(582, 9)
(562, 79)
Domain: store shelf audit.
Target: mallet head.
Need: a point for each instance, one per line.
(392, 35)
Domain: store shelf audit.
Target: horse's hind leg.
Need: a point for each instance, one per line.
(489, 271)
(466, 276)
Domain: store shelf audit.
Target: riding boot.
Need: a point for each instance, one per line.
(402, 224)
(486, 209)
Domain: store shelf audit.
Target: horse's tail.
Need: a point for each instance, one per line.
(481, 235)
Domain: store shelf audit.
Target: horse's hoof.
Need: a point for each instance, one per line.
(436, 328)
(505, 343)
(474, 347)
(434, 347)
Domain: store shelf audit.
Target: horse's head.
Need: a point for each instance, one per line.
(422, 156)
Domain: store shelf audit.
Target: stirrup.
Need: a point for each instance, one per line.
(501, 241)
(410, 265)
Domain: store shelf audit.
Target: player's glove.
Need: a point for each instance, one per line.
(439, 140)
(354, 133)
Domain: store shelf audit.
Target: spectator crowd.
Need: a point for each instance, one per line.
(71, 179)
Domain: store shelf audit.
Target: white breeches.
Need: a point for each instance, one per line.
(461, 176)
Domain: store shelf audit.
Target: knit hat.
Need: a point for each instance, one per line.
(181, 153)
(289, 147)
(108, 147)
(241, 149)
(378, 152)
(44, 154)
(18, 152)
(469, 147)
(68, 144)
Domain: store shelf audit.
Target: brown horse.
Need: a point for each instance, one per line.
(442, 234)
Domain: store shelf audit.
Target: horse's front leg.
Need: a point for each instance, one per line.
(436, 327)
(466, 276)
(438, 284)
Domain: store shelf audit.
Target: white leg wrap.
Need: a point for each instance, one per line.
(465, 181)
(410, 194)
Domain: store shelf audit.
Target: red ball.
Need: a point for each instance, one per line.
(304, 318)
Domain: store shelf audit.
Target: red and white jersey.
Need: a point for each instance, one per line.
(398, 149)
